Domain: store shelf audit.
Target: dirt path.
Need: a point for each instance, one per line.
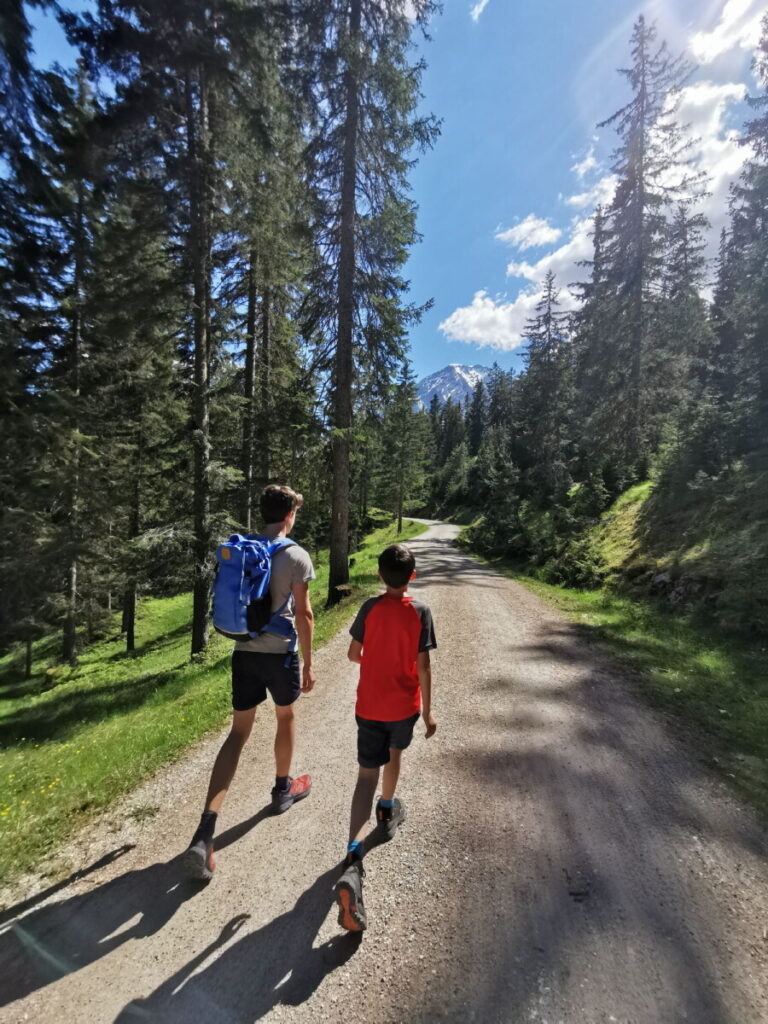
(564, 861)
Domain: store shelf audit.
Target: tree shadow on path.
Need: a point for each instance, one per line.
(275, 964)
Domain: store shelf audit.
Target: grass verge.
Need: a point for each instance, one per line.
(714, 683)
(74, 739)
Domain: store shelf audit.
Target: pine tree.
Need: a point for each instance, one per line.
(651, 167)
(543, 400)
(476, 418)
(365, 220)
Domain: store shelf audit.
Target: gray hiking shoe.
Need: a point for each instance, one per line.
(198, 861)
(389, 819)
(349, 896)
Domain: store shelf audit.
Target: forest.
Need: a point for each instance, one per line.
(203, 230)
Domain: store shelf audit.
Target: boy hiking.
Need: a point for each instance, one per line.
(391, 640)
(269, 662)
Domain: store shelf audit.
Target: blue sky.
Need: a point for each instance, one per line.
(520, 88)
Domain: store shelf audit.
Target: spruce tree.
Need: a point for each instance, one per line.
(651, 167)
(365, 220)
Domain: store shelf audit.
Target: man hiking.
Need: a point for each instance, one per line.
(267, 663)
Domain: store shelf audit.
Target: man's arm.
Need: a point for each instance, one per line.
(425, 681)
(355, 652)
(305, 624)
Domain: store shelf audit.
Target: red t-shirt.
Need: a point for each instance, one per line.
(392, 630)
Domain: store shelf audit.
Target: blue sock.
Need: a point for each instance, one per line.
(387, 803)
(355, 848)
(283, 782)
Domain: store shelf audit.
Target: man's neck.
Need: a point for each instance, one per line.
(275, 531)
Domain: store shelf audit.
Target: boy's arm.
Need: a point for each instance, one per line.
(425, 682)
(355, 652)
(305, 624)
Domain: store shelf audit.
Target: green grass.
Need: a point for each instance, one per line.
(73, 739)
(714, 685)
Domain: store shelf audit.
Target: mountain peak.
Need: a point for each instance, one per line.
(454, 382)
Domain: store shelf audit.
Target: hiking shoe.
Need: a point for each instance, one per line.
(349, 896)
(389, 819)
(282, 799)
(198, 860)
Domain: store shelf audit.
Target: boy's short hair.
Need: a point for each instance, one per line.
(276, 502)
(396, 565)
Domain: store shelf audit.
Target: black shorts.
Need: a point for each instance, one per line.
(253, 674)
(374, 739)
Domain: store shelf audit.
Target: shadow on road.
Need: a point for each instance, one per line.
(275, 964)
(57, 940)
(604, 813)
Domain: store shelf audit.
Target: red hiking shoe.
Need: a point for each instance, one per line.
(283, 799)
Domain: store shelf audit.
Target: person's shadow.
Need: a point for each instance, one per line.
(37, 947)
(64, 937)
(276, 964)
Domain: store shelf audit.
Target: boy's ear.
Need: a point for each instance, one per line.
(379, 575)
(413, 576)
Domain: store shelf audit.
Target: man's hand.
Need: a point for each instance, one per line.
(431, 724)
(307, 678)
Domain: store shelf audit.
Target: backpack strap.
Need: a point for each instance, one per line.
(277, 624)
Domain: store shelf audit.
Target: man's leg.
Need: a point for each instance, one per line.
(284, 740)
(225, 765)
(287, 790)
(199, 861)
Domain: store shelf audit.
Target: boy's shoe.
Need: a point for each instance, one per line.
(389, 819)
(349, 896)
(198, 860)
(282, 799)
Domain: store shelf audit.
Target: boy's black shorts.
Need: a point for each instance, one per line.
(253, 674)
(375, 738)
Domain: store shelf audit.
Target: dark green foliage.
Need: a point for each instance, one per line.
(169, 226)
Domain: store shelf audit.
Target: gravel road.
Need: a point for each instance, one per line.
(565, 860)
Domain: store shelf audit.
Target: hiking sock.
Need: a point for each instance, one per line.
(356, 849)
(207, 825)
(387, 804)
(283, 782)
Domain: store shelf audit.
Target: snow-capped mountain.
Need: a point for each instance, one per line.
(454, 382)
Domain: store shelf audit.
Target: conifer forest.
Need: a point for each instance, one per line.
(203, 232)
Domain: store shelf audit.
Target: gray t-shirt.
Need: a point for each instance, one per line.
(290, 566)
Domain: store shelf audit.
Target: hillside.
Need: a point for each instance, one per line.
(704, 547)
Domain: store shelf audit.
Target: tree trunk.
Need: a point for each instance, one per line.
(265, 466)
(249, 394)
(69, 644)
(338, 570)
(197, 155)
(134, 528)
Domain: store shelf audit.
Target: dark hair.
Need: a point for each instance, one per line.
(277, 502)
(396, 564)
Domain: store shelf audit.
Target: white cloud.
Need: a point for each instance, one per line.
(491, 323)
(739, 26)
(705, 110)
(530, 233)
(563, 262)
(589, 163)
(600, 194)
(478, 9)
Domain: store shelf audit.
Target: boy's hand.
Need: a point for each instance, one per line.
(307, 678)
(431, 724)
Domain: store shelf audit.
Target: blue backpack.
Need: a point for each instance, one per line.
(242, 606)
